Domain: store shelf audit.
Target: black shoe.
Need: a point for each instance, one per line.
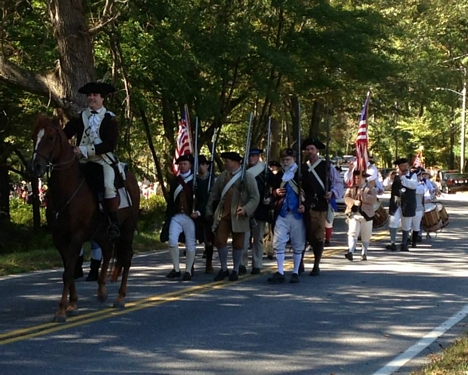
(255, 271)
(315, 272)
(364, 257)
(270, 257)
(327, 243)
(233, 276)
(221, 275)
(349, 256)
(277, 278)
(242, 270)
(404, 247)
(113, 231)
(187, 277)
(391, 247)
(173, 274)
(294, 278)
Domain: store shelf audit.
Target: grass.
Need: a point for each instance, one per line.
(452, 361)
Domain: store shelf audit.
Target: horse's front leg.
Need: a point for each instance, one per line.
(67, 305)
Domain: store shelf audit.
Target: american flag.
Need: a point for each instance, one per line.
(362, 140)
(184, 144)
(418, 160)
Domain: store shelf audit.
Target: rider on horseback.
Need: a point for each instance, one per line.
(97, 133)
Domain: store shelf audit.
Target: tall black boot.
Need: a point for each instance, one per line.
(318, 251)
(112, 205)
(78, 274)
(94, 270)
(209, 259)
(414, 238)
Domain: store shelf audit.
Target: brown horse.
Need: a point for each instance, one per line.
(74, 217)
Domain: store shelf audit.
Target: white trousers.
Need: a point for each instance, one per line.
(357, 225)
(284, 228)
(109, 177)
(416, 221)
(182, 223)
(394, 220)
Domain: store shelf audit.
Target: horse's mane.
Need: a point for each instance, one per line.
(43, 121)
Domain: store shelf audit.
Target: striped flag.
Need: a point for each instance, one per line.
(362, 140)
(418, 160)
(184, 142)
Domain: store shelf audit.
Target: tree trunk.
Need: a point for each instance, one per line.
(4, 194)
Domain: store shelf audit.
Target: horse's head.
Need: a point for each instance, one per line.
(47, 138)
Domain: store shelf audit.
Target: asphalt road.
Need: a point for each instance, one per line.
(377, 317)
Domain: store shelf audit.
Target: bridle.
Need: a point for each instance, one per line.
(49, 164)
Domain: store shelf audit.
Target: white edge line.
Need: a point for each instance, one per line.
(422, 344)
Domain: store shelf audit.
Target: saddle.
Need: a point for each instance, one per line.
(94, 176)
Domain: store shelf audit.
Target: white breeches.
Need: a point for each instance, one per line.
(182, 223)
(359, 226)
(395, 220)
(416, 221)
(109, 177)
(284, 227)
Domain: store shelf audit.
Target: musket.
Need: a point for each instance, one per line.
(327, 154)
(195, 165)
(299, 153)
(245, 161)
(267, 161)
(214, 140)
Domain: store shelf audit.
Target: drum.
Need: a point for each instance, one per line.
(431, 220)
(442, 214)
(380, 215)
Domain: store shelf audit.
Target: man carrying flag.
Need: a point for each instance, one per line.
(362, 141)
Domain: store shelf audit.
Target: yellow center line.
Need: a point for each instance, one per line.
(110, 312)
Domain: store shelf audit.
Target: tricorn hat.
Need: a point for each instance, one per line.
(97, 88)
(312, 141)
(274, 163)
(255, 151)
(203, 160)
(400, 161)
(230, 155)
(361, 173)
(185, 157)
(288, 152)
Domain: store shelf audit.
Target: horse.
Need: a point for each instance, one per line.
(74, 216)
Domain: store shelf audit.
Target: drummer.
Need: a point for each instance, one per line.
(416, 220)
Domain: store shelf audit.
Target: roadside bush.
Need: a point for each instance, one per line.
(152, 213)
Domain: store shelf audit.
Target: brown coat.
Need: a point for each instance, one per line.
(367, 196)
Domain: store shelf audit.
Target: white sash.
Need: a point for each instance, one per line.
(180, 187)
(256, 169)
(312, 170)
(230, 183)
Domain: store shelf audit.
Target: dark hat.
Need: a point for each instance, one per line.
(231, 156)
(255, 151)
(97, 88)
(312, 141)
(361, 173)
(371, 159)
(185, 157)
(288, 152)
(274, 163)
(419, 171)
(203, 160)
(400, 161)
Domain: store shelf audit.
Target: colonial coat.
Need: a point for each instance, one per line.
(246, 196)
(402, 196)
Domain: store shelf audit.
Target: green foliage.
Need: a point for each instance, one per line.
(152, 213)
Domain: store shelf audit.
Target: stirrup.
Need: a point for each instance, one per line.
(113, 231)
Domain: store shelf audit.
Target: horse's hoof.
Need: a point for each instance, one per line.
(73, 312)
(60, 319)
(119, 304)
(102, 297)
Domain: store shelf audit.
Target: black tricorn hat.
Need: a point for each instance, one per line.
(274, 163)
(312, 141)
(185, 157)
(203, 160)
(400, 161)
(255, 151)
(97, 88)
(288, 152)
(230, 155)
(361, 173)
